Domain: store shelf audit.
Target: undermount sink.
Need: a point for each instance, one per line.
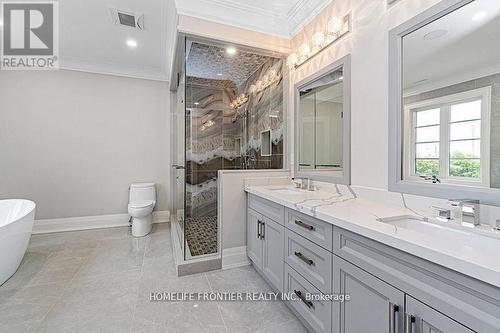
(452, 233)
(288, 191)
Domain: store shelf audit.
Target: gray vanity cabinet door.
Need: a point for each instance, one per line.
(374, 306)
(428, 320)
(273, 252)
(254, 243)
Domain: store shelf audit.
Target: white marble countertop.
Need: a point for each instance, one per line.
(341, 207)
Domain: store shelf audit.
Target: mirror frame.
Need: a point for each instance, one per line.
(488, 196)
(327, 175)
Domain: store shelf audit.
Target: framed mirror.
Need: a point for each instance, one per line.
(444, 129)
(322, 124)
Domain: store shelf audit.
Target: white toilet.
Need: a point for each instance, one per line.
(142, 200)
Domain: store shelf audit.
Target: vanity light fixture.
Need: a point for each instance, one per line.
(271, 77)
(207, 125)
(239, 101)
(319, 39)
(335, 29)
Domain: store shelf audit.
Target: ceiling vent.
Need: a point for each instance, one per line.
(127, 18)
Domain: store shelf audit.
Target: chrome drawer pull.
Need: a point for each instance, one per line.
(303, 225)
(303, 299)
(409, 320)
(304, 259)
(393, 310)
(258, 229)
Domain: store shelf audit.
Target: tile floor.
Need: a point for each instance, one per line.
(100, 281)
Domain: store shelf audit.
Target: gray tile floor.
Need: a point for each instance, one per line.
(100, 281)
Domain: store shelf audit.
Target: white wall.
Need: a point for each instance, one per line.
(368, 44)
(232, 202)
(73, 142)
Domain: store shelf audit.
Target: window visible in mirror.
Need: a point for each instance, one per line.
(449, 138)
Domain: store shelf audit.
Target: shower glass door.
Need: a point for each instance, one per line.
(233, 120)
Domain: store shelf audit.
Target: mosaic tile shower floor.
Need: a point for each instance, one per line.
(201, 235)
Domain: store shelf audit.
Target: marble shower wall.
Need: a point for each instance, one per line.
(494, 82)
(221, 138)
(264, 111)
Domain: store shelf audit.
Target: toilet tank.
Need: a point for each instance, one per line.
(142, 192)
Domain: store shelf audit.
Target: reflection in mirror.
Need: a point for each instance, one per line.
(451, 98)
(320, 119)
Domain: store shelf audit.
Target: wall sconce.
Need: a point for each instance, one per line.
(239, 101)
(335, 29)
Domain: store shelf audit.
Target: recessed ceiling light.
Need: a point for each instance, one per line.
(219, 74)
(131, 43)
(231, 50)
(479, 16)
(435, 34)
(196, 103)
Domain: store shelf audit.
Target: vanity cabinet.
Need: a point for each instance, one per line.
(372, 304)
(422, 319)
(265, 240)
(254, 242)
(389, 290)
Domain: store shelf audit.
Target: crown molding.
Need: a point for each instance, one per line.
(267, 21)
(281, 32)
(106, 68)
(305, 6)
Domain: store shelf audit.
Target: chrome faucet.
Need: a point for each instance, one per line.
(470, 211)
(306, 184)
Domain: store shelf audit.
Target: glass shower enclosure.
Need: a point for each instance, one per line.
(228, 116)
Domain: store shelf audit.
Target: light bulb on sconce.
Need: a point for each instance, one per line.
(304, 50)
(334, 26)
(318, 38)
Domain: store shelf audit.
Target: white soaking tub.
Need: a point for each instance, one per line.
(16, 224)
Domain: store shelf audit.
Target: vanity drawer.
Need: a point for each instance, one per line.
(317, 314)
(309, 260)
(315, 230)
(267, 208)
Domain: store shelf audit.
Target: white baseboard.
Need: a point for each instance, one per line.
(235, 257)
(91, 222)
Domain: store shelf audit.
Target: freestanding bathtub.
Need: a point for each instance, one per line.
(16, 224)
